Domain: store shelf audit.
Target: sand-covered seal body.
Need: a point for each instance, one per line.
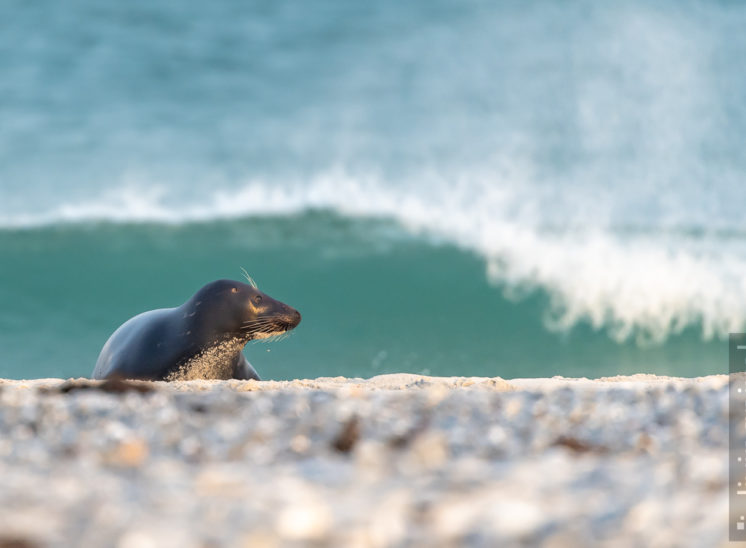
(201, 339)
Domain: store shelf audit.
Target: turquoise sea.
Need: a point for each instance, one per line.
(491, 188)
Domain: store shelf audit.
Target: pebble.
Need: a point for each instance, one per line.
(396, 460)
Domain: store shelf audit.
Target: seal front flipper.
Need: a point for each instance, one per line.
(244, 371)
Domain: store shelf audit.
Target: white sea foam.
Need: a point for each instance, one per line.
(645, 286)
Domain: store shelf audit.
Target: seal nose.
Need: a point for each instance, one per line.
(289, 315)
(295, 315)
(292, 315)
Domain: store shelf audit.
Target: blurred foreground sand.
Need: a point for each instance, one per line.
(390, 461)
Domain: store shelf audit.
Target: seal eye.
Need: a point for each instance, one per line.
(234, 290)
(258, 299)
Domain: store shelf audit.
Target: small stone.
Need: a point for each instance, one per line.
(305, 521)
(128, 454)
(220, 482)
(430, 450)
(260, 539)
(452, 519)
(137, 539)
(300, 443)
(514, 518)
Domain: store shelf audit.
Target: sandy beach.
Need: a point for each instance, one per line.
(396, 460)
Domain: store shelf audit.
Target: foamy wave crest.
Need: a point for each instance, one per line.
(152, 205)
(645, 287)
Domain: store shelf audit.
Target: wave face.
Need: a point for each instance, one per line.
(592, 152)
(638, 281)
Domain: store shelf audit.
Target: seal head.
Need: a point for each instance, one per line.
(228, 309)
(201, 339)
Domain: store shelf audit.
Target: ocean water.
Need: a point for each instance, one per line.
(451, 188)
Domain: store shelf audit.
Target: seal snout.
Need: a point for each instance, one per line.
(291, 316)
(286, 316)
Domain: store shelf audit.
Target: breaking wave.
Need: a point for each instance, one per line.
(636, 282)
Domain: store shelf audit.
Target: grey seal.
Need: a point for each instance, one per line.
(201, 339)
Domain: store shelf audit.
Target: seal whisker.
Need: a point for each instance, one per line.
(267, 327)
(273, 336)
(261, 329)
(258, 325)
(261, 317)
(259, 320)
(251, 281)
(268, 336)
